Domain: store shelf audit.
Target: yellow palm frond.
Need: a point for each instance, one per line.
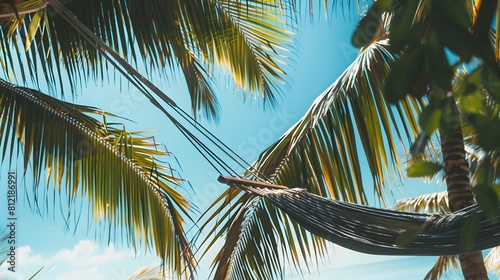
(443, 263)
(428, 203)
(251, 41)
(150, 272)
(492, 261)
(259, 238)
(116, 170)
(245, 38)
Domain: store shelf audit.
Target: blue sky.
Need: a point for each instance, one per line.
(324, 52)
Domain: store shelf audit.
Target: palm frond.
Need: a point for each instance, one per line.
(318, 153)
(4, 245)
(298, 10)
(251, 41)
(36, 273)
(427, 203)
(443, 263)
(245, 38)
(150, 272)
(256, 247)
(116, 170)
(203, 98)
(492, 261)
(323, 145)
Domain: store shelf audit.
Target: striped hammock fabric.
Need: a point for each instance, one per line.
(378, 231)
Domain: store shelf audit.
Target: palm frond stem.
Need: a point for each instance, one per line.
(23, 11)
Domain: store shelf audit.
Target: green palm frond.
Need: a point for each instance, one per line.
(318, 153)
(298, 10)
(427, 203)
(4, 245)
(256, 247)
(245, 38)
(323, 146)
(251, 42)
(116, 170)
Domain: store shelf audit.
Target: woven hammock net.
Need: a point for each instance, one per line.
(378, 231)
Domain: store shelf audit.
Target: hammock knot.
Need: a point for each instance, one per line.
(438, 222)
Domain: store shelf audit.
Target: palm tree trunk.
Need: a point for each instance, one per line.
(459, 189)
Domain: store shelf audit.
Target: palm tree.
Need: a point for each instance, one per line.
(320, 153)
(118, 171)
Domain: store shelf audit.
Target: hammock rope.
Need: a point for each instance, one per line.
(147, 88)
(377, 231)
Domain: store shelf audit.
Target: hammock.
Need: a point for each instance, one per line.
(373, 230)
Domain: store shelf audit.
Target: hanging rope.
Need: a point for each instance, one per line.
(147, 88)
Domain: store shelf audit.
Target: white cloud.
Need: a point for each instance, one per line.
(85, 260)
(24, 259)
(87, 253)
(341, 263)
(343, 257)
(4, 274)
(93, 273)
(84, 249)
(27, 257)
